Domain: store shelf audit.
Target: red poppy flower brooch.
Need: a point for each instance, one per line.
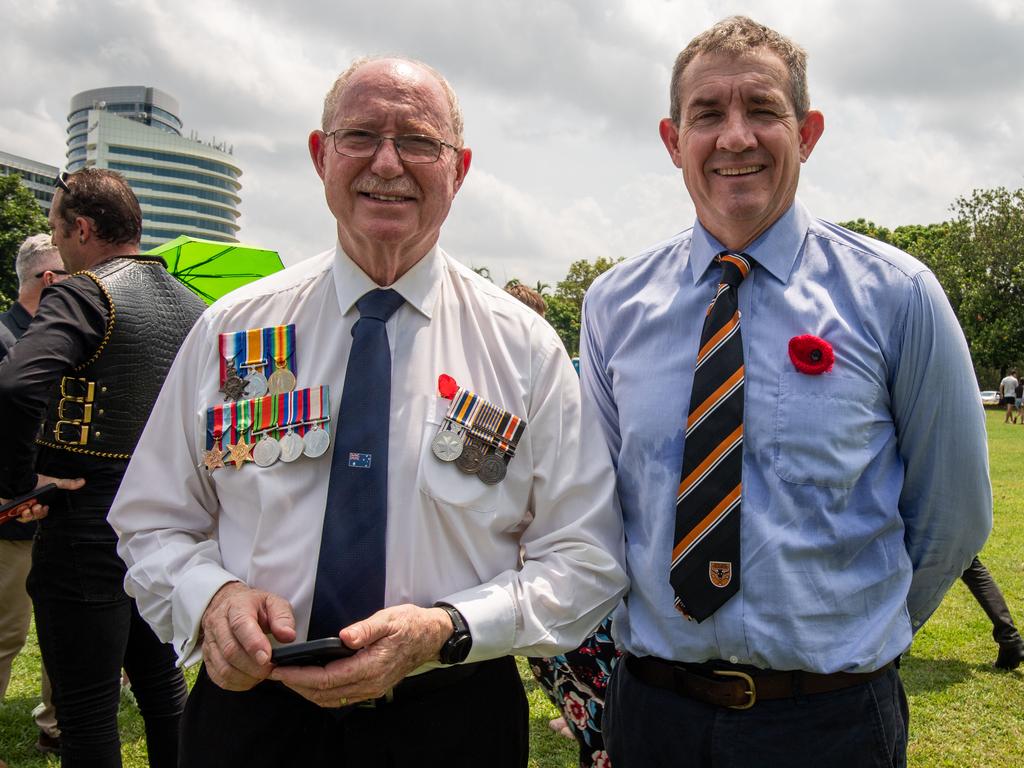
(811, 355)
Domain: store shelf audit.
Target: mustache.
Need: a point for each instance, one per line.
(374, 185)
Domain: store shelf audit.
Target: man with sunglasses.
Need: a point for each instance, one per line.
(38, 266)
(88, 369)
(435, 571)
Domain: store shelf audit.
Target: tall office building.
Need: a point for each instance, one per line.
(38, 177)
(185, 186)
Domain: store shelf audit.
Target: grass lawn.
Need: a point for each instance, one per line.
(964, 713)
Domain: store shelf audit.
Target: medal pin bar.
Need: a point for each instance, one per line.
(280, 340)
(318, 412)
(448, 443)
(291, 442)
(254, 361)
(240, 449)
(268, 449)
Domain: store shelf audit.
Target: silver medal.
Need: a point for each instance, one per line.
(492, 469)
(255, 384)
(316, 442)
(470, 458)
(266, 452)
(282, 380)
(291, 446)
(447, 445)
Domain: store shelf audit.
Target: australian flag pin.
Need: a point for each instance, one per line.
(360, 460)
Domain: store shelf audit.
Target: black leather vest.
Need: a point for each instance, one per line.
(101, 407)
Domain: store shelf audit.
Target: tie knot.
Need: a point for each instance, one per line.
(379, 304)
(735, 267)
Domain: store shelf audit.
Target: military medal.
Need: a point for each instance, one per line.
(492, 469)
(471, 457)
(447, 445)
(257, 348)
(213, 458)
(255, 384)
(318, 411)
(240, 453)
(234, 385)
(266, 452)
(281, 381)
(291, 446)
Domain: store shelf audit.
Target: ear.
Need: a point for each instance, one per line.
(83, 228)
(462, 163)
(317, 144)
(670, 137)
(811, 129)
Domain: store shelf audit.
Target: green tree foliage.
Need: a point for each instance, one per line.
(983, 253)
(566, 303)
(20, 216)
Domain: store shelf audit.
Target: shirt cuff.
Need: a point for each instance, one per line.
(490, 615)
(188, 604)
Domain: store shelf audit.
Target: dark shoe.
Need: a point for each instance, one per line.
(1010, 655)
(48, 744)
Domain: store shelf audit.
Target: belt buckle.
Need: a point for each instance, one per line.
(387, 698)
(81, 439)
(751, 692)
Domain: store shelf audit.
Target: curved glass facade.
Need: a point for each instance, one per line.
(191, 221)
(173, 173)
(175, 189)
(187, 205)
(173, 157)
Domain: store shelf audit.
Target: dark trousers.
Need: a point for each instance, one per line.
(864, 726)
(88, 629)
(475, 721)
(986, 592)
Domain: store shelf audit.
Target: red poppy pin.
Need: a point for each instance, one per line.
(811, 355)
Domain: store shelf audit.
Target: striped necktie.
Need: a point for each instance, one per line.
(706, 556)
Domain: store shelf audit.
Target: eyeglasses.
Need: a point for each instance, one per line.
(411, 148)
(53, 271)
(61, 182)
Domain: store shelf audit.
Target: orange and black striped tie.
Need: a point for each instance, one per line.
(706, 556)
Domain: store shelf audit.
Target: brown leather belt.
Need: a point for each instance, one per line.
(739, 686)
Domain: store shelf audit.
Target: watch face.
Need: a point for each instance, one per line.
(457, 649)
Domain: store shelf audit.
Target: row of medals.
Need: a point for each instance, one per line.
(290, 446)
(255, 384)
(470, 454)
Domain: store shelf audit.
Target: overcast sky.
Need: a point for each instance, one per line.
(923, 102)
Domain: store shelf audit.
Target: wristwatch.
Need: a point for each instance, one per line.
(456, 647)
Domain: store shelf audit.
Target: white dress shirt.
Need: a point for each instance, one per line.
(533, 563)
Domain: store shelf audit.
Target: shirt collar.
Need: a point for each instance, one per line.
(775, 249)
(419, 286)
(20, 315)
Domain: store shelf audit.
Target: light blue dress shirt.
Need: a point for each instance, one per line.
(865, 490)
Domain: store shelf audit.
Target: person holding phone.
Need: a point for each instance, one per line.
(452, 442)
(88, 370)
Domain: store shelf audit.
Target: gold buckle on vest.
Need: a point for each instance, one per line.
(751, 691)
(80, 439)
(83, 390)
(75, 410)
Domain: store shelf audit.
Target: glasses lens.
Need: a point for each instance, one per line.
(356, 143)
(418, 149)
(61, 182)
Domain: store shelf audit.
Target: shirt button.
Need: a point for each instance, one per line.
(733, 659)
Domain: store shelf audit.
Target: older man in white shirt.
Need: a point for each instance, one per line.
(473, 566)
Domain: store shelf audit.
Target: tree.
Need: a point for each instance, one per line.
(20, 216)
(565, 305)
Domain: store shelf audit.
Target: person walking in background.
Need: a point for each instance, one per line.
(88, 369)
(767, 383)
(1008, 394)
(1019, 396)
(985, 590)
(38, 266)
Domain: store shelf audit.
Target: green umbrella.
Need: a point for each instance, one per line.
(211, 269)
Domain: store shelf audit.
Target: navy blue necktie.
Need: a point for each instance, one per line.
(350, 571)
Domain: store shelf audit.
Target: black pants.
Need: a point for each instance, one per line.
(986, 592)
(864, 726)
(88, 629)
(480, 720)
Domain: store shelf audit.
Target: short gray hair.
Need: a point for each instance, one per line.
(739, 35)
(34, 256)
(334, 95)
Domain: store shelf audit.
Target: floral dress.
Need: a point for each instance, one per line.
(576, 684)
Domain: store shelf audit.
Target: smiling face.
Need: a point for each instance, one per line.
(389, 212)
(739, 142)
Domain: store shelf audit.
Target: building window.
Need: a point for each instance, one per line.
(172, 157)
(174, 173)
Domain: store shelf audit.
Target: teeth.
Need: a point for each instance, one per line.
(386, 198)
(739, 171)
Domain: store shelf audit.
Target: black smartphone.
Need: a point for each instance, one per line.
(8, 510)
(315, 653)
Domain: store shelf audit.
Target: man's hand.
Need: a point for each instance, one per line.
(32, 510)
(235, 645)
(393, 642)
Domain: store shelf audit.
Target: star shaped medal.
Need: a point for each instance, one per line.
(213, 459)
(240, 453)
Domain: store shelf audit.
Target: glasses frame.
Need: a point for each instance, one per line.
(394, 140)
(38, 275)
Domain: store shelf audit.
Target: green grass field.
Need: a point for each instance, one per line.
(964, 713)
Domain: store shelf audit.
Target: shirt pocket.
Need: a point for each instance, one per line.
(823, 427)
(449, 486)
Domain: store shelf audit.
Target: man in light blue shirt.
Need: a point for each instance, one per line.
(865, 489)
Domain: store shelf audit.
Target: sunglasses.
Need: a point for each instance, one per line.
(53, 271)
(61, 182)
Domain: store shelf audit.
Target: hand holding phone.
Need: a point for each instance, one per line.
(11, 511)
(313, 653)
